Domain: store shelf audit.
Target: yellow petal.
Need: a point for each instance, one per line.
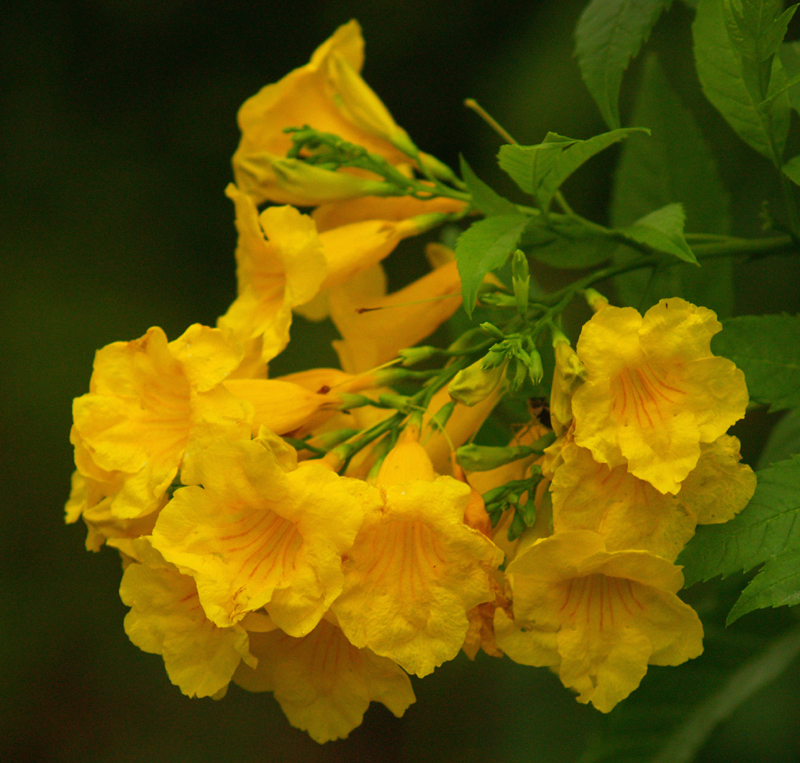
(628, 512)
(413, 573)
(611, 613)
(374, 330)
(654, 390)
(322, 682)
(166, 618)
(258, 535)
(720, 487)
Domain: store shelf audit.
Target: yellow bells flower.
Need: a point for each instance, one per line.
(628, 512)
(654, 390)
(322, 682)
(416, 568)
(263, 531)
(279, 265)
(598, 618)
(327, 94)
(150, 403)
(166, 618)
(480, 635)
(374, 329)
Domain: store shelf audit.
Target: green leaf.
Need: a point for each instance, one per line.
(776, 585)
(485, 198)
(792, 169)
(567, 244)
(767, 349)
(783, 440)
(674, 165)
(484, 246)
(540, 170)
(662, 230)
(766, 528)
(671, 715)
(789, 54)
(608, 35)
(733, 86)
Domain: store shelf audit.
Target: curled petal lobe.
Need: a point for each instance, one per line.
(323, 683)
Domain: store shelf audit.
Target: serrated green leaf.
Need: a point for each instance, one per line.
(608, 35)
(540, 170)
(485, 198)
(567, 245)
(662, 230)
(776, 585)
(783, 440)
(767, 349)
(674, 711)
(526, 164)
(767, 527)
(728, 82)
(674, 165)
(484, 246)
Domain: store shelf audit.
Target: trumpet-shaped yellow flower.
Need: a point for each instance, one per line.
(598, 618)
(654, 390)
(391, 323)
(284, 264)
(166, 618)
(416, 568)
(151, 402)
(327, 94)
(628, 512)
(263, 531)
(322, 682)
(280, 265)
(631, 514)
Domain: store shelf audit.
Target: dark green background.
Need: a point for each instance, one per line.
(117, 127)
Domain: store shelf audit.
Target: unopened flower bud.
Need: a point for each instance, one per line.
(475, 383)
(318, 185)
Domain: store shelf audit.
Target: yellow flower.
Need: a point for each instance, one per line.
(166, 618)
(598, 618)
(390, 323)
(416, 568)
(631, 514)
(150, 402)
(322, 682)
(263, 531)
(284, 264)
(654, 391)
(327, 94)
(280, 265)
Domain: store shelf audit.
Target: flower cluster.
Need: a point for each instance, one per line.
(641, 410)
(315, 535)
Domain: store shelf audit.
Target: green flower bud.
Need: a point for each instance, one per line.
(475, 383)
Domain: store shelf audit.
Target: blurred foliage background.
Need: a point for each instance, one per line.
(117, 127)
